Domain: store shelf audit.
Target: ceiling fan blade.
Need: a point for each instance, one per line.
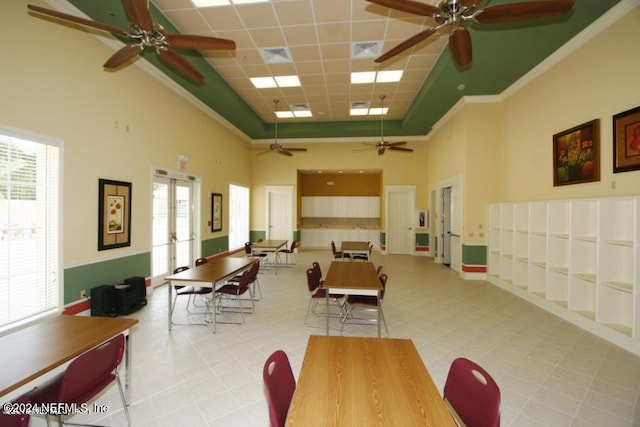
(294, 149)
(138, 13)
(77, 20)
(285, 152)
(406, 44)
(199, 42)
(409, 6)
(122, 56)
(523, 11)
(460, 45)
(394, 144)
(470, 3)
(399, 148)
(180, 64)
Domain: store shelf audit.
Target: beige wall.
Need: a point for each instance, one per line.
(52, 83)
(503, 147)
(399, 168)
(598, 80)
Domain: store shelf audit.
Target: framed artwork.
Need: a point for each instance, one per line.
(576, 154)
(626, 141)
(422, 219)
(216, 212)
(114, 214)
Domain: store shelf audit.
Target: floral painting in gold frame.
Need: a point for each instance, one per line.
(576, 154)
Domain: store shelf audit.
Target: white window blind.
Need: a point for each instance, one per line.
(238, 216)
(30, 265)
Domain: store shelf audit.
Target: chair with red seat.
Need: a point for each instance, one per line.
(232, 292)
(191, 292)
(18, 419)
(280, 385)
(85, 377)
(318, 294)
(365, 303)
(472, 395)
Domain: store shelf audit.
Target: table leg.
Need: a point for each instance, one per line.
(379, 315)
(327, 310)
(169, 308)
(127, 368)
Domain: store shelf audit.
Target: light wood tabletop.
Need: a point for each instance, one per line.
(207, 275)
(355, 248)
(356, 381)
(352, 278)
(35, 350)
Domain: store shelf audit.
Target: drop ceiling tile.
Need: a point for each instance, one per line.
(268, 37)
(188, 21)
(258, 15)
(221, 18)
(294, 12)
(305, 53)
(368, 30)
(332, 11)
(300, 35)
(334, 32)
(339, 51)
(310, 67)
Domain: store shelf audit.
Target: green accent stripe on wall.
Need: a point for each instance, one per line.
(215, 246)
(422, 239)
(474, 254)
(110, 272)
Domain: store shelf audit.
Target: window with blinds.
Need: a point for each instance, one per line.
(30, 270)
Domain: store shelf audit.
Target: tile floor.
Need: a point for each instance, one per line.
(550, 372)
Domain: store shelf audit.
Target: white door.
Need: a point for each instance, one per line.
(279, 213)
(400, 203)
(445, 217)
(173, 219)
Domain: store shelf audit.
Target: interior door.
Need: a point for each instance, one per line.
(400, 202)
(280, 213)
(445, 219)
(173, 236)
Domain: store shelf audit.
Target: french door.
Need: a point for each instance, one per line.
(173, 224)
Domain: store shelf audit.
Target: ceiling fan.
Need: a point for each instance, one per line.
(455, 12)
(143, 32)
(275, 147)
(383, 145)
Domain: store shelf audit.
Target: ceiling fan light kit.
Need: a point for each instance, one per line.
(276, 147)
(144, 33)
(383, 145)
(455, 12)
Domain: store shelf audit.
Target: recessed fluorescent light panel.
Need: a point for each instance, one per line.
(389, 76)
(284, 114)
(214, 3)
(277, 81)
(287, 81)
(361, 108)
(263, 82)
(301, 110)
(362, 77)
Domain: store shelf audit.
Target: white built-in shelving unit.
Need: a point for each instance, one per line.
(577, 258)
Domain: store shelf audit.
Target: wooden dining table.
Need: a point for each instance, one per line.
(352, 278)
(352, 248)
(207, 275)
(358, 381)
(270, 246)
(35, 353)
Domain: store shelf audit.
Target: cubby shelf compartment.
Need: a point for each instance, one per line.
(577, 258)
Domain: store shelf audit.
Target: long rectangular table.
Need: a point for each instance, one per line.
(352, 248)
(207, 275)
(352, 278)
(354, 381)
(270, 246)
(30, 354)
